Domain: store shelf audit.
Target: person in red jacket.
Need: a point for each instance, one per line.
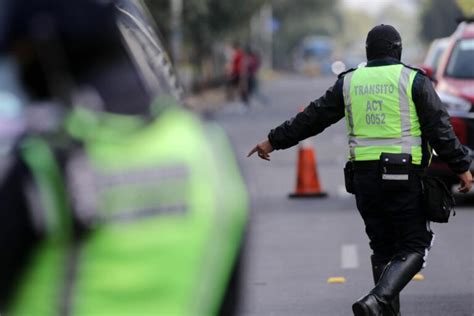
(238, 74)
(253, 65)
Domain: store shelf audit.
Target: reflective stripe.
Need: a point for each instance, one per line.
(404, 104)
(70, 278)
(348, 103)
(398, 177)
(136, 215)
(89, 187)
(408, 141)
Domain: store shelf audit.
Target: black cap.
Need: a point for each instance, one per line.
(383, 41)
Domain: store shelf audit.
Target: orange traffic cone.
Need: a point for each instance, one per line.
(307, 181)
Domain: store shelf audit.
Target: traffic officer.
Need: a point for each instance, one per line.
(392, 112)
(125, 193)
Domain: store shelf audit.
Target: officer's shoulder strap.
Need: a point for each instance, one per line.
(342, 74)
(418, 70)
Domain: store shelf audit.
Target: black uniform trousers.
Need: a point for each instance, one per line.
(394, 220)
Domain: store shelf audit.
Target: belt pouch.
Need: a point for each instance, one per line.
(395, 171)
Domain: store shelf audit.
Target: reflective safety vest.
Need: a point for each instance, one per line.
(380, 113)
(163, 231)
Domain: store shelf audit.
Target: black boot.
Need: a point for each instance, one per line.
(394, 278)
(368, 305)
(377, 268)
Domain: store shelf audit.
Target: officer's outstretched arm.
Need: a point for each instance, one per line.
(318, 115)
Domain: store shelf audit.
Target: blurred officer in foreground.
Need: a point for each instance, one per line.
(116, 207)
(393, 118)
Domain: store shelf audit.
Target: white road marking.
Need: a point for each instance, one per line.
(349, 257)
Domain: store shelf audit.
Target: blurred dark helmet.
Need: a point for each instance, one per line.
(66, 47)
(383, 41)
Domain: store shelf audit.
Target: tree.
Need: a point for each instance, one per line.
(439, 19)
(299, 19)
(206, 21)
(467, 7)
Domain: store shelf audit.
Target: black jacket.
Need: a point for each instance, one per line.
(434, 121)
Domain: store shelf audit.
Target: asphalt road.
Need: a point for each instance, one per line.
(295, 246)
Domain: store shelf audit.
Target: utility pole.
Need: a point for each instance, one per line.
(176, 8)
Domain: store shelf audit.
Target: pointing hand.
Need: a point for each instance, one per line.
(263, 149)
(466, 182)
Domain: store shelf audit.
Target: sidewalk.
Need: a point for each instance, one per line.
(209, 100)
(214, 99)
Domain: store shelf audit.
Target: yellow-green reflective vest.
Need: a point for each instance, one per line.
(380, 113)
(166, 231)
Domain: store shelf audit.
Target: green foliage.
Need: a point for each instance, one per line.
(439, 18)
(467, 6)
(209, 22)
(205, 21)
(284, 9)
(226, 15)
(299, 19)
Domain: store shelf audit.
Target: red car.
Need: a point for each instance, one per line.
(455, 86)
(436, 50)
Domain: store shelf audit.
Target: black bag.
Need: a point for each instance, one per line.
(438, 200)
(349, 177)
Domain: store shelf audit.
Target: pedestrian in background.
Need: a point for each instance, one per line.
(393, 118)
(238, 74)
(253, 67)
